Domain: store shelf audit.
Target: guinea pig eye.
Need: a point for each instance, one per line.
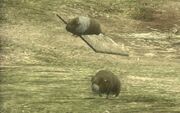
(78, 22)
(105, 80)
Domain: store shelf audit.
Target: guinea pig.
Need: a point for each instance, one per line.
(83, 26)
(105, 82)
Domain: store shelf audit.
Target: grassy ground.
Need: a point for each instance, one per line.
(44, 69)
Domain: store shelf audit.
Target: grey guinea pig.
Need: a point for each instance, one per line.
(105, 82)
(83, 26)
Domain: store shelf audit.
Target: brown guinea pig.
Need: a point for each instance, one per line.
(105, 82)
(83, 26)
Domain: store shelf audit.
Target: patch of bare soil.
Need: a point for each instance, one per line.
(159, 38)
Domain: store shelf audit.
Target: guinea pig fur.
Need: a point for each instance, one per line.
(105, 82)
(83, 26)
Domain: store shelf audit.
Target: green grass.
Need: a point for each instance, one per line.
(46, 70)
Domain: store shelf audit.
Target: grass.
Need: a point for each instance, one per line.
(46, 70)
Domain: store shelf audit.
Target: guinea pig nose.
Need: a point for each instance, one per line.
(95, 87)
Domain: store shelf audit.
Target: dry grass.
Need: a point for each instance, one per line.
(46, 70)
